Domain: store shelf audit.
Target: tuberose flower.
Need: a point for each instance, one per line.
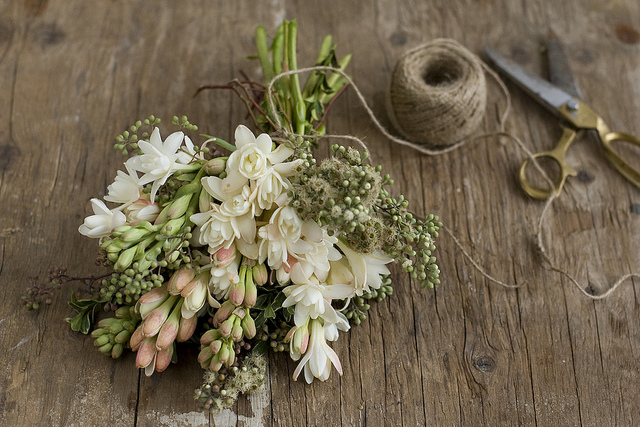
(319, 356)
(159, 160)
(102, 221)
(366, 268)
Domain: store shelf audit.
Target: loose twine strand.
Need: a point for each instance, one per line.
(440, 148)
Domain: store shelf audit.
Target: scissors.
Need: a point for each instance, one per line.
(574, 114)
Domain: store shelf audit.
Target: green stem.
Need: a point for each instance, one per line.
(220, 142)
(299, 107)
(325, 49)
(263, 53)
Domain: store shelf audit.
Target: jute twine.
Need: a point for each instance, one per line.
(438, 94)
(450, 145)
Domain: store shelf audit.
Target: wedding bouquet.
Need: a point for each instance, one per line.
(251, 246)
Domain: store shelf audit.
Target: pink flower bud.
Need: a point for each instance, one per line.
(179, 280)
(215, 346)
(146, 353)
(151, 300)
(201, 280)
(209, 336)
(236, 293)
(204, 357)
(224, 256)
(169, 329)
(223, 313)
(250, 293)
(136, 338)
(226, 326)
(291, 261)
(154, 321)
(187, 328)
(163, 358)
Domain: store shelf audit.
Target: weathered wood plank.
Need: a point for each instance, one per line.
(469, 353)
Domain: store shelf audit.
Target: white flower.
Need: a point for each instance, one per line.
(280, 238)
(236, 206)
(366, 268)
(318, 357)
(125, 189)
(142, 210)
(102, 222)
(316, 260)
(224, 271)
(252, 158)
(215, 229)
(313, 299)
(160, 160)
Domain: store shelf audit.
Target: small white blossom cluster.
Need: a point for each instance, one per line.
(157, 162)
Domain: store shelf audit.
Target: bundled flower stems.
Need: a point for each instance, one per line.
(262, 248)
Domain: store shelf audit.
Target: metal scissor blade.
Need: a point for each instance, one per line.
(560, 72)
(547, 94)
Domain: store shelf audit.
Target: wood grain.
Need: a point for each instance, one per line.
(75, 73)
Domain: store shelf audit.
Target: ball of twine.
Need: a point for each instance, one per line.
(438, 94)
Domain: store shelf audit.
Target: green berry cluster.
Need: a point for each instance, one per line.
(128, 140)
(412, 244)
(359, 305)
(183, 123)
(340, 193)
(128, 286)
(274, 336)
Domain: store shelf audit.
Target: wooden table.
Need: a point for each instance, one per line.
(76, 73)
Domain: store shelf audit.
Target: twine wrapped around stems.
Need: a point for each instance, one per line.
(438, 94)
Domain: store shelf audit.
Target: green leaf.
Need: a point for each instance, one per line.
(261, 347)
(86, 309)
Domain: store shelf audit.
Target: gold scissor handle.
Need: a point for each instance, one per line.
(558, 155)
(616, 160)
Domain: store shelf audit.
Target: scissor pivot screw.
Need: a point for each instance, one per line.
(572, 105)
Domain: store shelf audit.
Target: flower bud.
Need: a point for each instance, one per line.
(117, 350)
(98, 332)
(215, 346)
(209, 336)
(204, 357)
(226, 326)
(122, 337)
(201, 280)
(224, 353)
(136, 339)
(260, 274)
(215, 364)
(236, 331)
(154, 321)
(225, 256)
(187, 328)
(215, 166)
(179, 280)
(179, 206)
(151, 300)
(135, 234)
(102, 340)
(163, 358)
(169, 329)
(123, 312)
(223, 313)
(146, 352)
(236, 293)
(250, 292)
(248, 326)
(125, 259)
(106, 349)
